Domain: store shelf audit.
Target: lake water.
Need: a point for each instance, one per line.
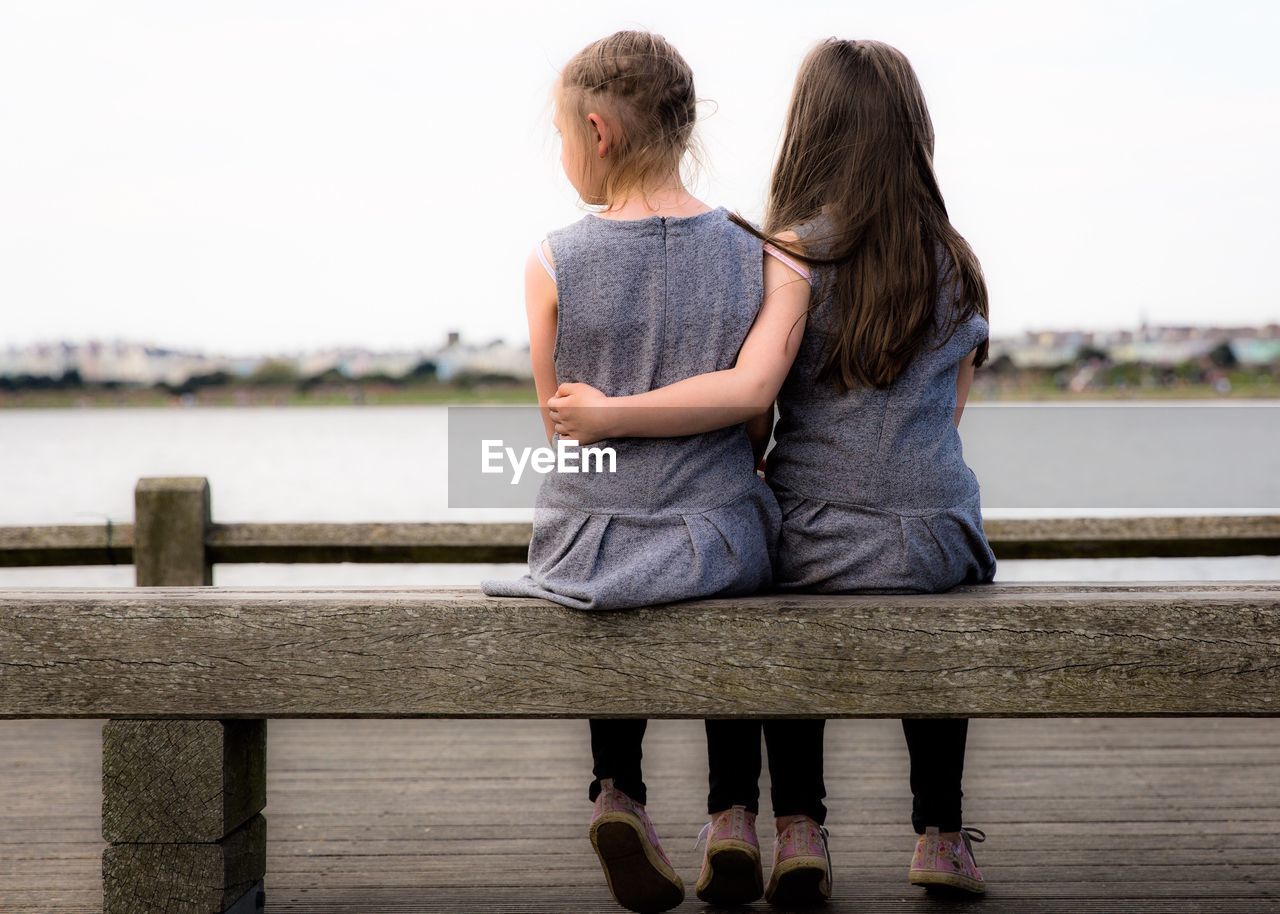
(73, 466)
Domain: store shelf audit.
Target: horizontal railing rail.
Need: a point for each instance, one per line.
(321, 543)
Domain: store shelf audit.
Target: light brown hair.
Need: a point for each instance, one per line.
(858, 142)
(647, 87)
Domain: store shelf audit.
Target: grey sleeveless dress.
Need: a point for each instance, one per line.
(642, 304)
(875, 493)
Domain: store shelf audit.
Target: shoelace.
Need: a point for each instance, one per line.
(969, 834)
(826, 846)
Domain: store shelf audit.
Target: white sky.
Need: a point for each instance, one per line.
(263, 176)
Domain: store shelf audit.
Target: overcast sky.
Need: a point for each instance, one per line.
(272, 176)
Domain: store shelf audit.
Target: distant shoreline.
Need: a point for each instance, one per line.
(373, 394)
(285, 395)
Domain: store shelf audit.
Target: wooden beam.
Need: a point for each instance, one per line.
(1133, 537)
(187, 878)
(181, 781)
(66, 544)
(321, 543)
(1003, 650)
(1014, 538)
(369, 542)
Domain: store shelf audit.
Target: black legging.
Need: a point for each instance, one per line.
(936, 746)
(733, 762)
(795, 766)
(616, 747)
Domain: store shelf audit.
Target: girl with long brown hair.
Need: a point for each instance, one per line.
(870, 378)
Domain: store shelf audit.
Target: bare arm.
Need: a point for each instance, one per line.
(540, 306)
(709, 401)
(964, 380)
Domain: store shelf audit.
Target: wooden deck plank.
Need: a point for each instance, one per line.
(425, 817)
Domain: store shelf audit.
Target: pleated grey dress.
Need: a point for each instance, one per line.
(642, 304)
(875, 493)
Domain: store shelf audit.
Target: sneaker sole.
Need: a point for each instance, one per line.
(637, 877)
(799, 883)
(735, 880)
(946, 882)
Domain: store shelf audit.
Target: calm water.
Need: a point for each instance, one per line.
(388, 463)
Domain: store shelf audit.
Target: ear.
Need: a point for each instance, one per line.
(604, 136)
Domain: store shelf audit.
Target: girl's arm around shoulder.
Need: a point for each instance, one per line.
(708, 401)
(540, 308)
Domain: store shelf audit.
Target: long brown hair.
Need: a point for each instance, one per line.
(641, 79)
(858, 142)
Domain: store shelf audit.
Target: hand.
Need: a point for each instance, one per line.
(577, 411)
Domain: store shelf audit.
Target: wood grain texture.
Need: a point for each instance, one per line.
(369, 542)
(1169, 816)
(184, 878)
(1013, 538)
(998, 650)
(181, 781)
(185, 794)
(171, 515)
(66, 544)
(1133, 537)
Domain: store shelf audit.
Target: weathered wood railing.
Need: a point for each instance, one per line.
(188, 674)
(1038, 538)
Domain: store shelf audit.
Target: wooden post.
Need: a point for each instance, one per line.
(171, 515)
(181, 799)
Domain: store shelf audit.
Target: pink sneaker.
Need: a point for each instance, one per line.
(801, 876)
(731, 874)
(940, 862)
(638, 872)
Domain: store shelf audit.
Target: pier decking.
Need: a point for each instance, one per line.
(418, 816)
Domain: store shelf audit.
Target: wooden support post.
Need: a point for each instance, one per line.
(181, 781)
(188, 878)
(181, 799)
(171, 515)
